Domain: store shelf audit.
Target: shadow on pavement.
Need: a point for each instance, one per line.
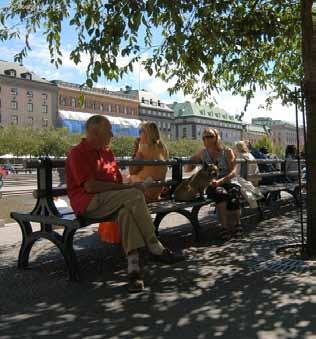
(214, 293)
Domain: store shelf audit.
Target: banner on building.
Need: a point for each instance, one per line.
(75, 123)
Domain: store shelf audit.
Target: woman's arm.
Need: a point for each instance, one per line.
(196, 157)
(136, 169)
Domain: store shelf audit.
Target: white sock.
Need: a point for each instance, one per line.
(133, 262)
(155, 247)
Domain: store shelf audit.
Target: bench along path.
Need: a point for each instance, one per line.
(48, 215)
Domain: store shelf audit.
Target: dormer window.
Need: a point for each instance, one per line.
(10, 72)
(26, 75)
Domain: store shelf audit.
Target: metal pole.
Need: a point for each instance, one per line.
(299, 171)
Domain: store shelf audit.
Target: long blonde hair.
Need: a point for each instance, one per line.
(210, 130)
(153, 138)
(241, 147)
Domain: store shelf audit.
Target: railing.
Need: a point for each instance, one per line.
(176, 164)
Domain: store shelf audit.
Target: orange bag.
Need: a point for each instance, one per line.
(109, 232)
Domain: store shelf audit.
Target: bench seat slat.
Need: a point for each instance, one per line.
(69, 219)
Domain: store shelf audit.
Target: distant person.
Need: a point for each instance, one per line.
(95, 190)
(262, 153)
(242, 153)
(248, 186)
(149, 147)
(291, 164)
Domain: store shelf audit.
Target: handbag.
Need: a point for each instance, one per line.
(109, 232)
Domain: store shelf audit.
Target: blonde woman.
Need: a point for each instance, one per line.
(225, 190)
(242, 153)
(149, 146)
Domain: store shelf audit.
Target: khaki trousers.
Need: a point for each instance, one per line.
(137, 228)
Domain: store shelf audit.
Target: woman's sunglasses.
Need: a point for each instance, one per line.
(210, 136)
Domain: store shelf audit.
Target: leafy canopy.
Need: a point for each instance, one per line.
(203, 46)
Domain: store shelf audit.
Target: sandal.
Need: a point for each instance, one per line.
(225, 234)
(238, 231)
(135, 282)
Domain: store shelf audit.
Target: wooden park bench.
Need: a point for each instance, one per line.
(47, 215)
(281, 182)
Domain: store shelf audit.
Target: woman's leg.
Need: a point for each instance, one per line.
(222, 213)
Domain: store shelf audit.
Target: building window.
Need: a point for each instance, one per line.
(14, 119)
(30, 121)
(184, 132)
(101, 107)
(45, 122)
(14, 91)
(62, 101)
(10, 72)
(30, 107)
(44, 108)
(27, 76)
(44, 96)
(73, 102)
(29, 93)
(14, 105)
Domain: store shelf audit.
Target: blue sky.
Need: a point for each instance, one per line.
(38, 61)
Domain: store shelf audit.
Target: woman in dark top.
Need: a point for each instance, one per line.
(225, 190)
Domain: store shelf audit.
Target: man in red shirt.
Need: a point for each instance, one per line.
(95, 189)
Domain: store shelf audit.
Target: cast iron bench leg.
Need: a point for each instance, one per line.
(70, 255)
(192, 217)
(195, 222)
(27, 243)
(157, 221)
(64, 243)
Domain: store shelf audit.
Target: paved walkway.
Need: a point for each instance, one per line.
(238, 289)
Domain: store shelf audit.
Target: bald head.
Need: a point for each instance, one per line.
(99, 131)
(95, 122)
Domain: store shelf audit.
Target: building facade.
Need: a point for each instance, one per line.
(252, 133)
(283, 133)
(191, 119)
(25, 98)
(151, 108)
(73, 97)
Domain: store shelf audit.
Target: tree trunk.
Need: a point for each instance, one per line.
(309, 85)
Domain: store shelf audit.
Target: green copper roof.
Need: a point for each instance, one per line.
(186, 109)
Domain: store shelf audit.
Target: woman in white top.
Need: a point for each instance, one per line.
(242, 153)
